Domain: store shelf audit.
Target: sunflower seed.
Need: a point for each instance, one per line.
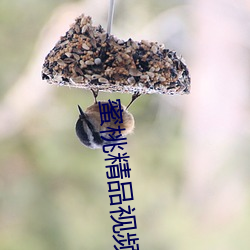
(88, 62)
(150, 74)
(61, 62)
(77, 57)
(103, 80)
(95, 76)
(68, 54)
(154, 49)
(77, 79)
(77, 29)
(145, 42)
(78, 70)
(134, 72)
(85, 46)
(69, 60)
(131, 80)
(144, 78)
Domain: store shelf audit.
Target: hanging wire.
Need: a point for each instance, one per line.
(110, 16)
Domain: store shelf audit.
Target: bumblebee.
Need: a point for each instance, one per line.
(88, 125)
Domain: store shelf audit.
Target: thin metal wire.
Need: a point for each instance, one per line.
(110, 16)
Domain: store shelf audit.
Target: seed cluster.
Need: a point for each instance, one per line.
(88, 57)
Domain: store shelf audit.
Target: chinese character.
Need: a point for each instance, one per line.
(111, 110)
(117, 171)
(119, 157)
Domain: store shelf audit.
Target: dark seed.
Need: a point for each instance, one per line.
(45, 77)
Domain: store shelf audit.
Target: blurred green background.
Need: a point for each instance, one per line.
(190, 155)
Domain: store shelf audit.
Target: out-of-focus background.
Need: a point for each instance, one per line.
(190, 155)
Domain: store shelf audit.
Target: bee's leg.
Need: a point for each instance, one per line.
(95, 93)
(134, 97)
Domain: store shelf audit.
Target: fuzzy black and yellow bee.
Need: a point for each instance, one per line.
(88, 125)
